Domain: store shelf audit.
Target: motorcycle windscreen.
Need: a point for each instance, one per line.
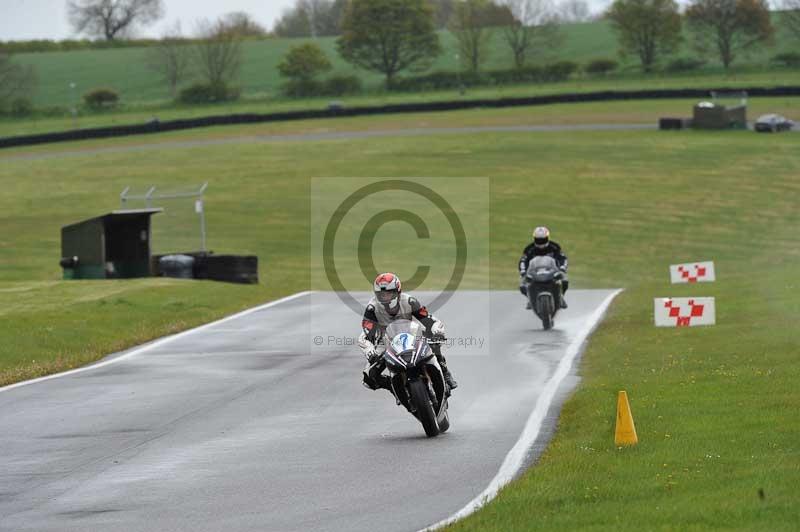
(403, 342)
(399, 327)
(543, 262)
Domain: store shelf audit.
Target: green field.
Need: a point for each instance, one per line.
(125, 69)
(714, 406)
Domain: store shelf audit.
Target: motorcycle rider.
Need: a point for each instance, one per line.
(542, 245)
(388, 305)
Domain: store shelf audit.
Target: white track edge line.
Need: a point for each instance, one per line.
(154, 344)
(515, 458)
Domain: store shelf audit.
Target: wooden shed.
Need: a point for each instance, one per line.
(113, 246)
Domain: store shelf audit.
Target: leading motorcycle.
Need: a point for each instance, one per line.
(417, 381)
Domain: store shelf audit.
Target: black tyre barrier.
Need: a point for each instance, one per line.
(228, 268)
(177, 266)
(674, 123)
(252, 118)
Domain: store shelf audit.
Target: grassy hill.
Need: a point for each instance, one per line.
(125, 69)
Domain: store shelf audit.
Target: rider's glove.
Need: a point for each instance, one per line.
(437, 329)
(368, 348)
(373, 357)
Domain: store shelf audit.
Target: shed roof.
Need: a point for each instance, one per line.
(119, 214)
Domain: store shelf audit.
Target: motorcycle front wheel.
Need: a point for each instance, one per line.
(422, 403)
(445, 423)
(547, 312)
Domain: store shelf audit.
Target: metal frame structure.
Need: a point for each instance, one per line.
(719, 96)
(152, 194)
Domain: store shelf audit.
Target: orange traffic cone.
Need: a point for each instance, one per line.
(625, 432)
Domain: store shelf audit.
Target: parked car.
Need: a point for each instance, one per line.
(773, 123)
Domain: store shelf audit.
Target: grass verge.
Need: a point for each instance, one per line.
(713, 408)
(53, 326)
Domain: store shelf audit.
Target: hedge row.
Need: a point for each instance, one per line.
(201, 93)
(333, 86)
(175, 125)
(46, 45)
(68, 45)
(440, 80)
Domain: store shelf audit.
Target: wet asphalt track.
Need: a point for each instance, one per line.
(247, 425)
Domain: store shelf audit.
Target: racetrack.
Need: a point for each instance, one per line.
(245, 425)
(324, 136)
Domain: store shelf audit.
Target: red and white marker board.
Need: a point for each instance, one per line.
(693, 272)
(684, 311)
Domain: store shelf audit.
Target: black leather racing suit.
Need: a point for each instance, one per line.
(552, 249)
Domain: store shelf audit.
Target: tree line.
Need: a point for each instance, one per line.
(323, 18)
(391, 37)
(650, 29)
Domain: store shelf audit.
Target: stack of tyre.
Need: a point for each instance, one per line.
(229, 268)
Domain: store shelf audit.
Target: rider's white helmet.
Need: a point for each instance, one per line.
(541, 237)
(387, 288)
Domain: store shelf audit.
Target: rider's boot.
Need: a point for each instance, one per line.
(448, 377)
(528, 305)
(374, 379)
(564, 302)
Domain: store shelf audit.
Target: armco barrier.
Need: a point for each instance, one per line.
(226, 120)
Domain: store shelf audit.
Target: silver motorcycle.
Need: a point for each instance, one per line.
(543, 285)
(417, 380)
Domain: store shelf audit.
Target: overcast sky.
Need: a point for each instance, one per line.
(47, 19)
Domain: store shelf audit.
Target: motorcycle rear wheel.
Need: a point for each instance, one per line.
(424, 407)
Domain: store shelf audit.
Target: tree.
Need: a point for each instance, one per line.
(574, 11)
(790, 17)
(328, 21)
(111, 18)
(729, 26)
(646, 28)
(325, 16)
(243, 24)
(389, 36)
(171, 57)
(293, 23)
(311, 18)
(533, 26)
(218, 53)
(304, 62)
(16, 81)
(442, 11)
(473, 25)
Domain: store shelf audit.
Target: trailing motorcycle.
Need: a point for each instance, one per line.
(417, 381)
(543, 285)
